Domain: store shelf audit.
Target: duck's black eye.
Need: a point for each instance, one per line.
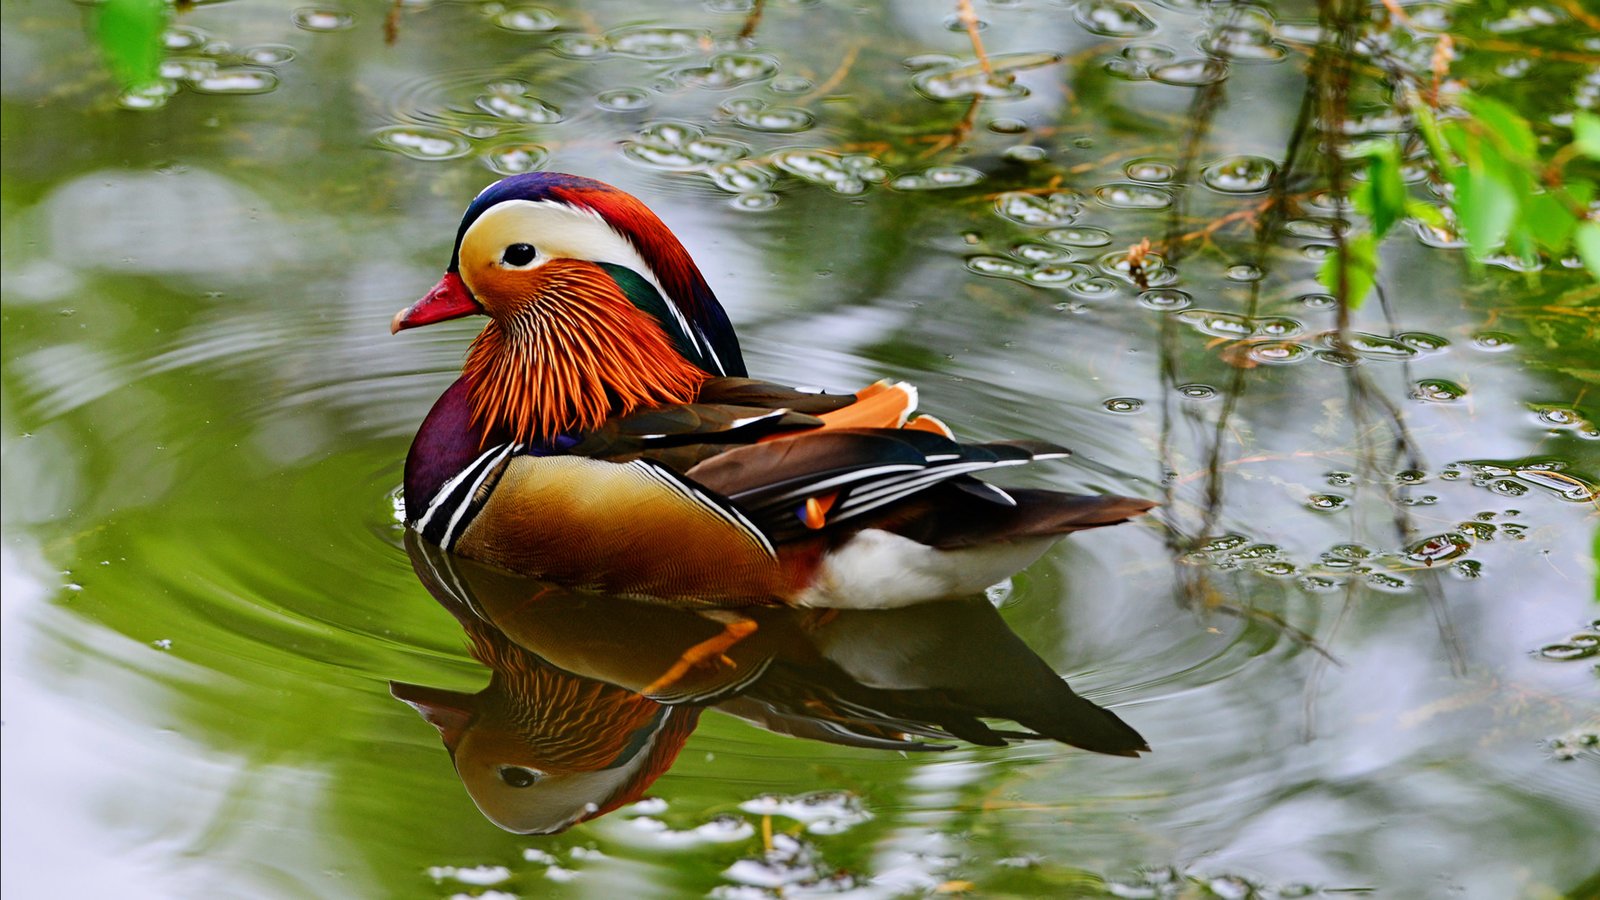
(518, 255)
(517, 776)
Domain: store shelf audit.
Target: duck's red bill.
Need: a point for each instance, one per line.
(449, 299)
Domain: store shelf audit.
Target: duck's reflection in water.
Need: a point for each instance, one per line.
(592, 697)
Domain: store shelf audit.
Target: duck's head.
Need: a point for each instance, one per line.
(582, 279)
(540, 750)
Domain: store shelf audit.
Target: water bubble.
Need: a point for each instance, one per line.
(1436, 236)
(1439, 548)
(1089, 288)
(998, 266)
(791, 84)
(1149, 54)
(777, 119)
(151, 96)
(1244, 43)
(1558, 416)
(1135, 61)
(1385, 582)
(1276, 352)
(948, 79)
(1191, 72)
(652, 42)
(1079, 236)
(236, 80)
(1041, 253)
(848, 175)
(1132, 196)
(1117, 67)
(1244, 272)
(1112, 18)
(1338, 358)
(183, 37)
(1063, 275)
(1152, 269)
(1277, 326)
(755, 201)
(624, 99)
(311, 18)
(187, 68)
(937, 177)
(1423, 341)
(1059, 208)
(515, 159)
(1319, 301)
(1316, 228)
(1240, 174)
(1197, 391)
(268, 54)
(1149, 171)
(1165, 299)
(514, 105)
(1126, 405)
(1007, 125)
(1493, 341)
(742, 177)
(1217, 324)
(729, 70)
(579, 46)
(1326, 502)
(1026, 153)
(1373, 346)
(839, 808)
(422, 143)
(528, 19)
(1579, 646)
(1525, 18)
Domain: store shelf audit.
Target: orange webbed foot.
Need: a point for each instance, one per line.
(711, 651)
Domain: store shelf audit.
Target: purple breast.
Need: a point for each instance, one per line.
(447, 443)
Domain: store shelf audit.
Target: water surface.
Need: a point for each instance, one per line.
(1359, 636)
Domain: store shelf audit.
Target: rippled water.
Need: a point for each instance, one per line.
(1359, 636)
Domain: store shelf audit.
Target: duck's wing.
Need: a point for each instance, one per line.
(804, 483)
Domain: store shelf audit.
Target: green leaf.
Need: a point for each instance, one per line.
(1428, 127)
(1586, 133)
(1358, 261)
(1587, 240)
(1503, 121)
(1382, 197)
(1486, 206)
(129, 33)
(1459, 139)
(1550, 221)
(1426, 213)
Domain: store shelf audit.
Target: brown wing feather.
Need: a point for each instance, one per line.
(948, 517)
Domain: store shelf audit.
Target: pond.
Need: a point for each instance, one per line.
(1359, 633)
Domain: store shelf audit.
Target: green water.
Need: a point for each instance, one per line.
(1359, 636)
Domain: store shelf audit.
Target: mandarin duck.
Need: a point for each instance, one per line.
(578, 717)
(603, 434)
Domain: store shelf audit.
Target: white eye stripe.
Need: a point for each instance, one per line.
(557, 230)
(562, 231)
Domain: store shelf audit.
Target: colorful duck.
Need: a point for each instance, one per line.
(604, 435)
